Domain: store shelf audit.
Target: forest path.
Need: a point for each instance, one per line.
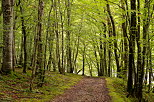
(89, 89)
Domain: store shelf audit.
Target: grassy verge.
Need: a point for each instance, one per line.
(117, 90)
(15, 87)
(149, 97)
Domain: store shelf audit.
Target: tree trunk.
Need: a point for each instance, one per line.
(146, 22)
(7, 65)
(24, 38)
(109, 47)
(83, 59)
(137, 76)
(101, 68)
(150, 69)
(62, 37)
(97, 62)
(69, 54)
(105, 60)
(131, 47)
(115, 41)
(76, 54)
(49, 39)
(56, 30)
(40, 45)
(124, 31)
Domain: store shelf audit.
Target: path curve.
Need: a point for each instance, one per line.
(89, 89)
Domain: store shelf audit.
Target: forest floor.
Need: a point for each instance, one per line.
(89, 89)
(64, 88)
(15, 87)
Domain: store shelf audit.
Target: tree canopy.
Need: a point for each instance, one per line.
(112, 38)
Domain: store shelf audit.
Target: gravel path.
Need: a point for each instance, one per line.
(87, 90)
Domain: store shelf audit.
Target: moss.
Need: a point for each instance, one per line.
(117, 90)
(149, 97)
(15, 87)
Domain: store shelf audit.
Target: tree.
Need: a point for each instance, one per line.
(83, 58)
(24, 37)
(115, 41)
(89, 37)
(132, 47)
(69, 52)
(125, 42)
(39, 66)
(7, 65)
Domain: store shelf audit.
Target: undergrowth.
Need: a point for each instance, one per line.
(118, 92)
(15, 87)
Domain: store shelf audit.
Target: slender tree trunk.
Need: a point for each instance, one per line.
(20, 62)
(90, 68)
(76, 54)
(62, 57)
(47, 40)
(40, 45)
(131, 47)
(51, 40)
(69, 54)
(109, 47)
(97, 62)
(115, 41)
(150, 69)
(137, 85)
(124, 31)
(101, 69)
(149, 49)
(24, 38)
(105, 63)
(56, 30)
(13, 46)
(62, 37)
(83, 59)
(146, 21)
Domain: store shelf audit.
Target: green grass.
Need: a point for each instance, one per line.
(117, 90)
(149, 97)
(15, 87)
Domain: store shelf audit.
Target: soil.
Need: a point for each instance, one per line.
(89, 89)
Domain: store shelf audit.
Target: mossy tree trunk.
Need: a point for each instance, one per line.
(39, 66)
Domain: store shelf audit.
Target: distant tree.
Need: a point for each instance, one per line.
(68, 34)
(24, 32)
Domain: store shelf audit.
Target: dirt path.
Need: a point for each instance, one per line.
(87, 90)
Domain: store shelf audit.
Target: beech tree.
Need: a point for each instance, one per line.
(86, 37)
(7, 6)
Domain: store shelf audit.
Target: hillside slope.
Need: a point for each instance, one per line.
(15, 87)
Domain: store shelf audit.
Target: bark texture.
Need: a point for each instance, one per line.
(7, 6)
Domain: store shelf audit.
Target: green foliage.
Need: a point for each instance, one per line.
(86, 24)
(149, 97)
